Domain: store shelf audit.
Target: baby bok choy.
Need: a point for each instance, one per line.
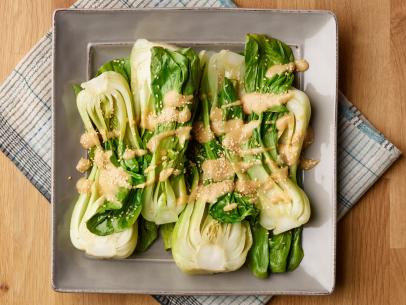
(260, 121)
(164, 82)
(282, 114)
(213, 233)
(104, 220)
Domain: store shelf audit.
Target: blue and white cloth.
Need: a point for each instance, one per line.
(364, 154)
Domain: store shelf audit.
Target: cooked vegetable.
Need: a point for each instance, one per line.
(166, 233)
(296, 253)
(279, 246)
(261, 122)
(284, 115)
(164, 83)
(109, 206)
(211, 235)
(148, 233)
(258, 256)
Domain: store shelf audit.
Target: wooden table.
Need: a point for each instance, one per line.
(371, 265)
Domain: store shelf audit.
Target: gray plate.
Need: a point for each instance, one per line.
(84, 39)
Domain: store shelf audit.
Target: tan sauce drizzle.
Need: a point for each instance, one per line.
(279, 69)
(153, 143)
(247, 187)
(183, 134)
(253, 151)
(221, 127)
(150, 168)
(309, 138)
(165, 174)
(233, 139)
(280, 175)
(83, 165)
(202, 135)
(210, 193)
(174, 99)
(149, 182)
(217, 170)
(89, 139)
(261, 102)
(167, 115)
(243, 166)
(287, 121)
(290, 152)
(307, 164)
(216, 121)
(102, 158)
(132, 153)
(111, 178)
(300, 65)
(84, 185)
(230, 207)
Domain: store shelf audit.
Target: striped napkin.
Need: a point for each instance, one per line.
(364, 154)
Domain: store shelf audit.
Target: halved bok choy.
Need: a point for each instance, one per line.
(213, 234)
(164, 82)
(104, 219)
(283, 114)
(261, 120)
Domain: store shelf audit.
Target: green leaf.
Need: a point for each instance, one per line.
(258, 256)
(212, 149)
(279, 247)
(166, 233)
(120, 65)
(261, 53)
(296, 253)
(131, 164)
(243, 210)
(110, 218)
(270, 134)
(108, 205)
(147, 234)
(193, 81)
(228, 95)
(178, 71)
(169, 71)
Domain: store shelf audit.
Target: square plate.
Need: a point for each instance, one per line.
(84, 39)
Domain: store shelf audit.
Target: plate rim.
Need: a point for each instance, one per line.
(56, 287)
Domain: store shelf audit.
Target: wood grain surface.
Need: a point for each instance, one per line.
(371, 266)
